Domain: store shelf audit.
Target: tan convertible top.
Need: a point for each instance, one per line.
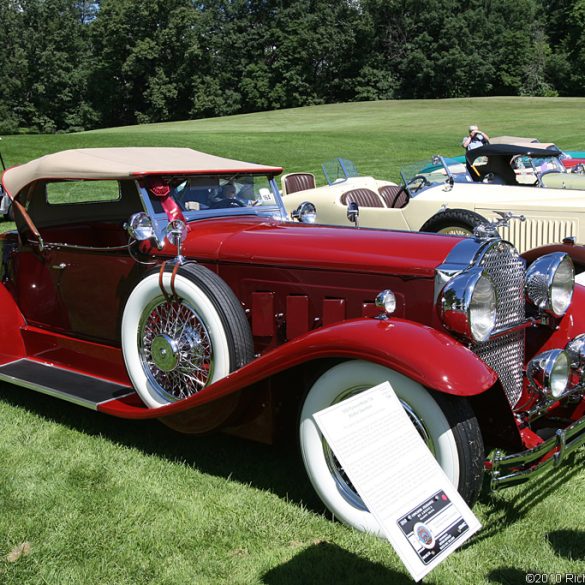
(512, 140)
(124, 163)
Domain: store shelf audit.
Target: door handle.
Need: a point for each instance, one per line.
(61, 266)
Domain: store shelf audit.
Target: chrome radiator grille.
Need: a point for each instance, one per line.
(505, 354)
(535, 232)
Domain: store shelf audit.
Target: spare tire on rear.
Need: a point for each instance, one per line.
(174, 346)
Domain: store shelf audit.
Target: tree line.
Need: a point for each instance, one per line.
(69, 65)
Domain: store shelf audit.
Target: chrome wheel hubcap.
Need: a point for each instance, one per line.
(175, 349)
(165, 354)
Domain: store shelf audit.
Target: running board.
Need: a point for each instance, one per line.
(65, 384)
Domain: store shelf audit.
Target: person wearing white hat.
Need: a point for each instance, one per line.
(475, 139)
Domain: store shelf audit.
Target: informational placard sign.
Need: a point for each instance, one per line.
(418, 509)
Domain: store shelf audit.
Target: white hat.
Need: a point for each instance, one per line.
(472, 128)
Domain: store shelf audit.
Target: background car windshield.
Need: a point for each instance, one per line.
(528, 167)
(338, 170)
(422, 174)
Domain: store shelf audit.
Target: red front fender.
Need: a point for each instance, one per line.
(422, 353)
(575, 251)
(571, 325)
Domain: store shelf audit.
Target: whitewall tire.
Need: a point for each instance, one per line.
(446, 424)
(174, 349)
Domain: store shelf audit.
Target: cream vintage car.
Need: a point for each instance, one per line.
(446, 196)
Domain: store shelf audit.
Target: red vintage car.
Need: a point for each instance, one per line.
(574, 164)
(166, 283)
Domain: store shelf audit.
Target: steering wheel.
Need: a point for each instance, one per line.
(401, 191)
(226, 203)
(424, 182)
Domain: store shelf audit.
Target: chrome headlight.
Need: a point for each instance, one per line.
(468, 305)
(386, 300)
(550, 281)
(549, 372)
(576, 351)
(140, 227)
(306, 212)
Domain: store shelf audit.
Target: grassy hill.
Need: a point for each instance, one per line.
(378, 136)
(106, 501)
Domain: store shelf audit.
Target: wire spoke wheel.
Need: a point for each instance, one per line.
(175, 348)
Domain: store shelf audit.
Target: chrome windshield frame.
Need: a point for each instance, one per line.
(160, 219)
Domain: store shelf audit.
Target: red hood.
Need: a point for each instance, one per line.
(267, 242)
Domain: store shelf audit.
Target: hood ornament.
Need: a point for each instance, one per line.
(489, 230)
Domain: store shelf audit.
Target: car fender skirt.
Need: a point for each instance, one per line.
(430, 357)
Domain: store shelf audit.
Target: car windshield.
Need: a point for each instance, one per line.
(421, 175)
(212, 195)
(339, 170)
(528, 168)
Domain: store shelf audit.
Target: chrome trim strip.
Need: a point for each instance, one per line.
(278, 197)
(503, 473)
(130, 393)
(54, 392)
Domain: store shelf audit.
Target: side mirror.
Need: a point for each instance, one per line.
(306, 212)
(140, 227)
(353, 213)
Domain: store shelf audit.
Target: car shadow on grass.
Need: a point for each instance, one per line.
(277, 469)
(569, 544)
(501, 510)
(508, 576)
(328, 563)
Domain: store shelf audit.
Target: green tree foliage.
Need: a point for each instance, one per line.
(144, 55)
(567, 29)
(69, 64)
(43, 75)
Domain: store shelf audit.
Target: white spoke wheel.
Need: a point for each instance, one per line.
(174, 347)
(456, 231)
(446, 423)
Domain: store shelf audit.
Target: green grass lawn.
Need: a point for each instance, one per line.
(105, 501)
